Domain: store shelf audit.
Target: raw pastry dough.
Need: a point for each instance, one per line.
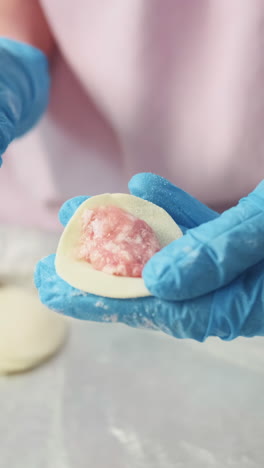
(29, 332)
(81, 275)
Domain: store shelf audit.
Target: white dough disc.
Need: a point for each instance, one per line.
(29, 332)
(81, 275)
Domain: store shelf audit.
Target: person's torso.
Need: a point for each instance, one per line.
(169, 87)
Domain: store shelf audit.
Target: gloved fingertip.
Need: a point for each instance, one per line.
(142, 184)
(69, 207)
(158, 279)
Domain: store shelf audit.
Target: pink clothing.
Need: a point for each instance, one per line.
(167, 86)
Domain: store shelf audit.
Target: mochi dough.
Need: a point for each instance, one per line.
(81, 275)
(29, 332)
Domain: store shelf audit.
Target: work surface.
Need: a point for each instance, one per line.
(119, 398)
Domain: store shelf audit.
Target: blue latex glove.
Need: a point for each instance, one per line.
(24, 89)
(208, 283)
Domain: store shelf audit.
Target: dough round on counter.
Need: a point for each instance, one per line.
(29, 332)
(81, 275)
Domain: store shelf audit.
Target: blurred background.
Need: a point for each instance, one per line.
(167, 86)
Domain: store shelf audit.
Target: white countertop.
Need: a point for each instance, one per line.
(120, 398)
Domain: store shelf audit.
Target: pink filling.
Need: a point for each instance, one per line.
(116, 242)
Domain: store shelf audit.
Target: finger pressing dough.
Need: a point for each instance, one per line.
(80, 274)
(29, 332)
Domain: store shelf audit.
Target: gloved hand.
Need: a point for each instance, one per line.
(24, 89)
(208, 283)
